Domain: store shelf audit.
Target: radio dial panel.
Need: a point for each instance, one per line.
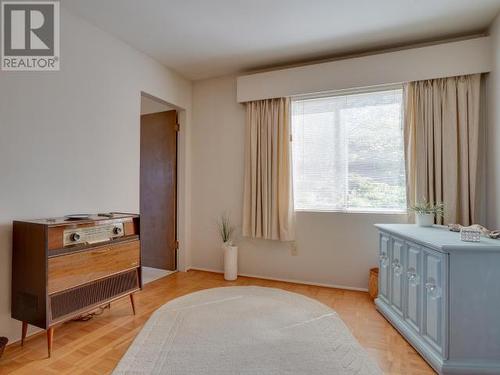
(91, 235)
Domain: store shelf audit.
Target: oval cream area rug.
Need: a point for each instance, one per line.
(245, 330)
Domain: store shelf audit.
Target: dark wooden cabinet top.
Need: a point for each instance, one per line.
(58, 221)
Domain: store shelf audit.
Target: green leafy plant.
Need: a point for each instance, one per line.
(226, 230)
(436, 208)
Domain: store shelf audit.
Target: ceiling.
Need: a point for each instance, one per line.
(207, 38)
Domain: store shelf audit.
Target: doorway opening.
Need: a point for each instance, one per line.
(158, 188)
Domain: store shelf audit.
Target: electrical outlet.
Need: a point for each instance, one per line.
(293, 249)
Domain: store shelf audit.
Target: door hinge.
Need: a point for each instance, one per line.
(177, 127)
(177, 245)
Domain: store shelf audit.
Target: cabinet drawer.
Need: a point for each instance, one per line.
(71, 270)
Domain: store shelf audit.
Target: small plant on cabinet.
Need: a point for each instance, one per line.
(426, 212)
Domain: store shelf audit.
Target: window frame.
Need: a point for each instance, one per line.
(344, 92)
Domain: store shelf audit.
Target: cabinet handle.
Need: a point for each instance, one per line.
(101, 251)
(412, 276)
(432, 289)
(383, 259)
(396, 266)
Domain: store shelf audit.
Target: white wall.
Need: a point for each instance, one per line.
(493, 131)
(69, 140)
(333, 248)
(150, 105)
(412, 64)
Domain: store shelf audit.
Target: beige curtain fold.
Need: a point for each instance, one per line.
(268, 210)
(442, 132)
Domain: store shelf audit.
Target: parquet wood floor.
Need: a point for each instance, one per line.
(96, 346)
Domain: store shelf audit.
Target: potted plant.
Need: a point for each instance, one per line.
(3, 344)
(226, 231)
(426, 212)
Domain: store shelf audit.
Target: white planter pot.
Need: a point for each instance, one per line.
(230, 262)
(424, 220)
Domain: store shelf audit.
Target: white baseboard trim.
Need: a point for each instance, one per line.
(335, 286)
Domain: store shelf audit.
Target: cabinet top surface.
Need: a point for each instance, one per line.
(439, 238)
(92, 219)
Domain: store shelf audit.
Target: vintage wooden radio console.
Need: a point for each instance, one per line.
(62, 269)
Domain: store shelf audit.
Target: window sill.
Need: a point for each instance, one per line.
(364, 212)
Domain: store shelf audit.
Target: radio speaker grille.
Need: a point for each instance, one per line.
(92, 294)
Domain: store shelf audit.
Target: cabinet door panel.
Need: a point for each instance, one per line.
(413, 286)
(384, 267)
(433, 323)
(71, 270)
(396, 272)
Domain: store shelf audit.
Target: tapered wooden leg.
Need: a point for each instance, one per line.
(23, 332)
(132, 303)
(50, 340)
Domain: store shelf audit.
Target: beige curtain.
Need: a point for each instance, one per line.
(442, 127)
(268, 195)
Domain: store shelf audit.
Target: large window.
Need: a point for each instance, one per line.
(348, 152)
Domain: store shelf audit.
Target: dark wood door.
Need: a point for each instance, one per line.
(159, 189)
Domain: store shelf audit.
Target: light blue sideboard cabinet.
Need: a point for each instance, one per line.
(442, 295)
